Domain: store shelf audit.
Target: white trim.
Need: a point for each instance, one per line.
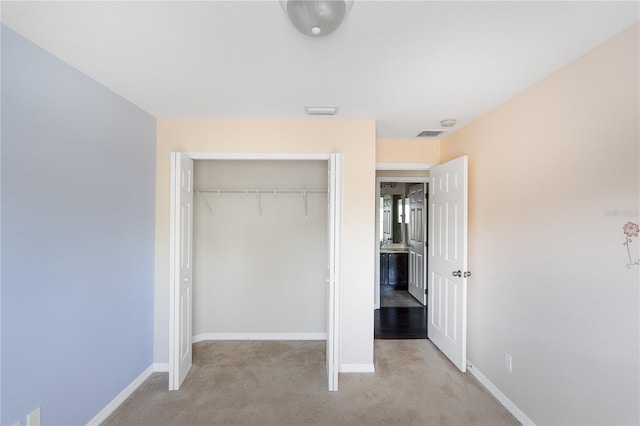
(376, 243)
(497, 394)
(405, 166)
(257, 156)
(122, 396)
(259, 336)
(161, 367)
(357, 368)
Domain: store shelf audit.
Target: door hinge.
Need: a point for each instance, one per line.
(425, 291)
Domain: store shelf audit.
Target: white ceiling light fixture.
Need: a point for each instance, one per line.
(316, 18)
(448, 122)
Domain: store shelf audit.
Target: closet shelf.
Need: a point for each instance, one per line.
(259, 193)
(263, 191)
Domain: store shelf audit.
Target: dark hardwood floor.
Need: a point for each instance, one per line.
(400, 323)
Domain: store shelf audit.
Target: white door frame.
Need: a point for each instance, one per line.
(379, 180)
(333, 335)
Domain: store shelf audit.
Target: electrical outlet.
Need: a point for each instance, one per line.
(33, 418)
(507, 362)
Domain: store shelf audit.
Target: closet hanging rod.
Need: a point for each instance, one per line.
(263, 191)
(258, 193)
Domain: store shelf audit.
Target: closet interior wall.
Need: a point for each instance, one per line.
(259, 261)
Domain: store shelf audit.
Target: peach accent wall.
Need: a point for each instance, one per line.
(554, 176)
(407, 151)
(354, 138)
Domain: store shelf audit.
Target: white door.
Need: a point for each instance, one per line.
(180, 317)
(417, 227)
(447, 312)
(334, 201)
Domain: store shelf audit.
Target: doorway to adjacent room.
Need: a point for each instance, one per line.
(401, 272)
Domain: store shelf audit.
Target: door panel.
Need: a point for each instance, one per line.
(181, 258)
(417, 265)
(447, 326)
(334, 201)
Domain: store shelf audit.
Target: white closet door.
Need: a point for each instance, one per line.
(181, 271)
(335, 206)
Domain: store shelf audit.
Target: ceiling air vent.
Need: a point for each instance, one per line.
(429, 133)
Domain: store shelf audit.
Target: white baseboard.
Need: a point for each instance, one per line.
(160, 367)
(497, 394)
(120, 398)
(357, 368)
(259, 336)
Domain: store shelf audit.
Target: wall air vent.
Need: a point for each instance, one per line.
(321, 110)
(429, 133)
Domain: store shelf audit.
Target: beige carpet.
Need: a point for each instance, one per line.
(283, 383)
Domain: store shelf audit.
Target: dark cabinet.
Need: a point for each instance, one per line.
(394, 269)
(398, 268)
(384, 269)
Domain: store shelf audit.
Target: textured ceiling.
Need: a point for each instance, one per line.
(405, 64)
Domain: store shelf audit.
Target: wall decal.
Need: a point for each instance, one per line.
(630, 230)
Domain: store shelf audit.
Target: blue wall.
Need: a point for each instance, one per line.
(78, 191)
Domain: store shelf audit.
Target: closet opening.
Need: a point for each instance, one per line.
(255, 252)
(259, 246)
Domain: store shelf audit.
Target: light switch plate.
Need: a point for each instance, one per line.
(508, 362)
